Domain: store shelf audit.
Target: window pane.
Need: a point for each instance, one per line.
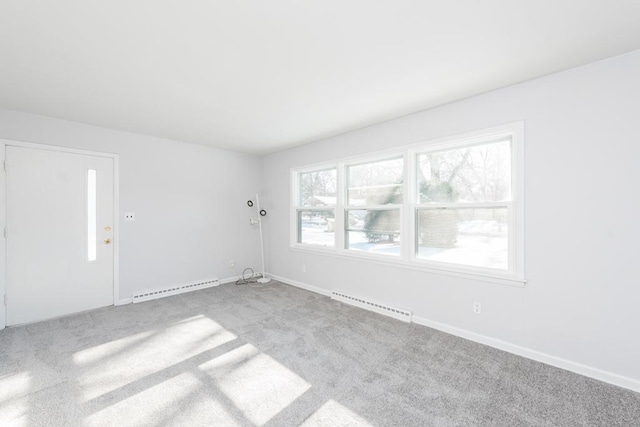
(472, 237)
(479, 173)
(318, 188)
(375, 231)
(377, 183)
(91, 215)
(316, 228)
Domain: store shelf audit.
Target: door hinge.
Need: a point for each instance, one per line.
(5, 299)
(5, 231)
(4, 165)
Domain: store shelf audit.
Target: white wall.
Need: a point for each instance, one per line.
(582, 226)
(189, 201)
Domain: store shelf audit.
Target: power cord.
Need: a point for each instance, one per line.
(250, 279)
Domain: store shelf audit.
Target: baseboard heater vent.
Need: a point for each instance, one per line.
(396, 313)
(174, 291)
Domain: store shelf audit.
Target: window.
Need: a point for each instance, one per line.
(372, 214)
(92, 214)
(464, 198)
(452, 205)
(316, 201)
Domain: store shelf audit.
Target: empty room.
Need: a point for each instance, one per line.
(319, 213)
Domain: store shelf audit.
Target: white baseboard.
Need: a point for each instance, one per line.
(129, 300)
(229, 280)
(234, 279)
(538, 356)
(301, 285)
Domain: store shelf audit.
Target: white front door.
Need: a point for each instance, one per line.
(59, 233)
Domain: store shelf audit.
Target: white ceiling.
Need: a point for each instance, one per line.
(258, 76)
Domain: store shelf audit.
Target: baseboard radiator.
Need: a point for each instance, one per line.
(396, 313)
(146, 296)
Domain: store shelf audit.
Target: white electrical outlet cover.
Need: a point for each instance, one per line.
(477, 307)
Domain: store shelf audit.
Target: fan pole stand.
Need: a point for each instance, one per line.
(264, 279)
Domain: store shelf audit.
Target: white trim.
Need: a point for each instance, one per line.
(538, 356)
(3, 247)
(301, 285)
(513, 275)
(293, 203)
(467, 138)
(229, 280)
(376, 157)
(57, 148)
(295, 208)
(517, 153)
(467, 205)
(125, 301)
(514, 133)
(116, 206)
(387, 207)
(496, 133)
(116, 228)
(234, 279)
(341, 220)
(424, 266)
(408, 241)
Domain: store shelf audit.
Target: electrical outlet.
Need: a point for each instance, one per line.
(232, 263)
(303, 268)
(477, 307)
(129, 216)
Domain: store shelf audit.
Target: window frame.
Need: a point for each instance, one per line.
(346, 207)
(296, 206)
(514, 275)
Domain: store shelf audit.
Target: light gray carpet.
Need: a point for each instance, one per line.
(279, 356)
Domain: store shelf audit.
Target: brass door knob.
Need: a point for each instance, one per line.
(107, 241)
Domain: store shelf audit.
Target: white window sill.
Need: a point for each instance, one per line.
(399, 262)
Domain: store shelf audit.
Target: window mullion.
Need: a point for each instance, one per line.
(464, 205)
(409, 189)
(387, 207)
(340, 210)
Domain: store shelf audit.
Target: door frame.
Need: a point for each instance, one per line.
(3, 214)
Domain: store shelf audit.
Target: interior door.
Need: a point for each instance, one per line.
(59, 233)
